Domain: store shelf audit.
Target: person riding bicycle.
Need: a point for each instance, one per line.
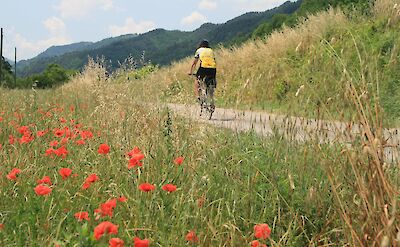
(208, 66)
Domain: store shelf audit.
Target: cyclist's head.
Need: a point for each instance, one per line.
(204, 43)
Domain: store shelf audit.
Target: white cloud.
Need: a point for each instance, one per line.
(80, 8)
(208, 4)
(131, 26)
(194, 18)
(29, 48)
(54, 25)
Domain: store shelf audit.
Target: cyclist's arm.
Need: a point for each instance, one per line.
(195, 61)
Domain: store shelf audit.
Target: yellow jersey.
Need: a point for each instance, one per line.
(206, 56)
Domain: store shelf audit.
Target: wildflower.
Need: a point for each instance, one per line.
(169, 187)
(107, 208)
(86, 135)
(122, 199)
(61, 152)
(64, 140)
(26, 138)
(135, 157)
(134, 151)
(179, 160)
(92, 178)
(89, 180)
(23, 129)
(137, 242)
(40, 133)
(146, 187)
(80, 142)
(82, 216)
(105, 227)
(262, 231)
(62, 120)
(191, 237)
(1, 226)
(255, 243)
(58, 132)
(54, 143)
(65, 172)
(49, 152)
(103, 149)
(13, 174)
(45, 180)
(11, 139)
(42, 190)
(116, 242)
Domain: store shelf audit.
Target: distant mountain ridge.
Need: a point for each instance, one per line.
(160, 46)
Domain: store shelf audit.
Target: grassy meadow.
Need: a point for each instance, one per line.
(91, 164)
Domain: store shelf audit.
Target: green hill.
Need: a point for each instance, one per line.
(160, 46)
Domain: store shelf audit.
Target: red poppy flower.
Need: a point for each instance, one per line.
(26, 138)
(53, 143)
(49, 152)
(80, 142)
(61, 152)
(169, 187)
(1, 226)
(134, 152)
(62, 120)
(58, 132)
(255, 243)
(82, 216)
(135, 157)
(11, 139)
(86, 185)
(137, 242)
(179, 160)
(40, 133)
(262, 231)
(122, 199)
(13, 174)
(105, 227)
(1, 146)
(134, 162)
(106, 209)
(86, 134)
(23, 129)
(64, 141)
(92, 178)
(191, 237)
(103, 149)
(45, 180)
(116, 242)
(65, 172)
(89, 180)
(146, 187)
(42, 190)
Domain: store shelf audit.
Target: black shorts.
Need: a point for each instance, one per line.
(208, 74)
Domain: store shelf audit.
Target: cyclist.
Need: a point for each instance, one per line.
(208, 67)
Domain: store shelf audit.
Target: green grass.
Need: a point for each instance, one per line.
(241, 178)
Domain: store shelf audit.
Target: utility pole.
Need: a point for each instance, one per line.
(1, 56)
(15, 68)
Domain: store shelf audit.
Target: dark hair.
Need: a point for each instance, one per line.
(204, 43)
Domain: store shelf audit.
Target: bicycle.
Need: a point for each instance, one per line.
(206, 95)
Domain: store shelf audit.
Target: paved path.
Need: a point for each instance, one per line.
(293, 128)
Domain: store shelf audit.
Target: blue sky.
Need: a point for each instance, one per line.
(34, 25)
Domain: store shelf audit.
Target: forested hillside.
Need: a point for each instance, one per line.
(160, 46)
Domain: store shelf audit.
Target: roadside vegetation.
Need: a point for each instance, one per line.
(301, 70)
